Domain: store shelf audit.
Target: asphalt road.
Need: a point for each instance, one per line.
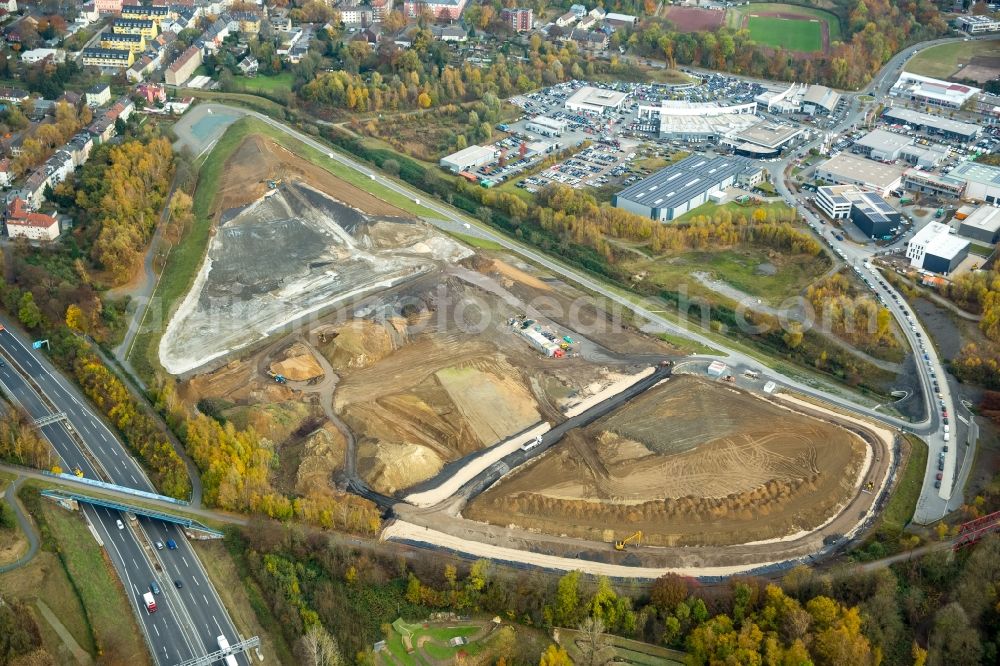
(188, 620)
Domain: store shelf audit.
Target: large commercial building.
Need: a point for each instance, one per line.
(685, 185)
(869, 212)
(782, 99)
(939, 185)
(846, 169)
(882, 145)
(695, 122)
(982, 181)
(934, 248)
(595, 100)
(469, 158)
(982, 226)
(924, 156)
(977, 25)
(953, 130)
(820, 99)
(933, 92)
(545, 126)
(762, 140)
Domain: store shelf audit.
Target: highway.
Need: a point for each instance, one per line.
(189, 619)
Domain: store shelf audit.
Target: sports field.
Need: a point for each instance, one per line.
(791, 34)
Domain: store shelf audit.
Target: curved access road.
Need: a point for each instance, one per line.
(24, 522)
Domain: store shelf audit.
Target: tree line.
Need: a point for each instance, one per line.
(932, 609)
(46, 138)
(850, 314)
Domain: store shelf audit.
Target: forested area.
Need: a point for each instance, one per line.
(850, 314)
(20, 637)
(934, 609)
(22, 444)
(118, 195)
(979, 293)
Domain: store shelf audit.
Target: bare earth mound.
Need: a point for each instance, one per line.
(690, 462)
(695, 19)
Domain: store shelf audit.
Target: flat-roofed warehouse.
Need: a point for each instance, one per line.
(589, 99)
(685, 185)
(869, 212)
(845, 169)
(882, 145)
(469, 158)
(935, 249)
(765, 139)
(982, 226)
(946, 127)
(982, 181)
(820, 98)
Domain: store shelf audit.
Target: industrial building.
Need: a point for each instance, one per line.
(546, 126)
(685, 185)
(924, 156)
(765, 139)
(782, 100)
(933, 92)
(982, 226)
(934, 248)
(846, 169)
(698, 122)
(820, 99)
(953, 130)
(882, 145)
(977, 25)
(869, 212)
(925, 182)
(595, 100)
(469, 158)
(982, 181)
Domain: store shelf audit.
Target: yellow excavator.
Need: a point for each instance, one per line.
(637, 537)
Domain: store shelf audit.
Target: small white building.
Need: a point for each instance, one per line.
(545, 126)
(37, 55)
(469, 158)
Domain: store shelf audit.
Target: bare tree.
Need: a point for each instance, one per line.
(594, 645)
(319, 648)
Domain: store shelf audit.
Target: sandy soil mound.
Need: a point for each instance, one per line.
(358, 343)
(322, 455)
(393, 466)
(689, 462)
(298, 364)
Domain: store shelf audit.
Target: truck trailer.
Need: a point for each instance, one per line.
(150, 602)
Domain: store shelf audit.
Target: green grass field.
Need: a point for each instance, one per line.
(265, 84)
(903, 502)
(942, 61)
(802, 36)
(734, 15)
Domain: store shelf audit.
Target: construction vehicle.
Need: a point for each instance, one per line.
(276, 377)
(78, 471)
(273, 184)
(637, 537)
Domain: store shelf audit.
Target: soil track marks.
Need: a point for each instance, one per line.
(689, 462)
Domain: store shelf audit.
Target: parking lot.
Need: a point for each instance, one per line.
(597, 165)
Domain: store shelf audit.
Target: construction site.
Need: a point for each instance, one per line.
(380, 355)
(690, 462)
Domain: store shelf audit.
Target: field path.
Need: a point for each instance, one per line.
(78, 652)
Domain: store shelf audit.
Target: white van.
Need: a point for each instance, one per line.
(946, 436)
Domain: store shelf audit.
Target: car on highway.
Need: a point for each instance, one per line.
(159, 545)
(178, 584)
(940, 476)
(937, 484)
(154, 588)
(120, 524)
(171, 544)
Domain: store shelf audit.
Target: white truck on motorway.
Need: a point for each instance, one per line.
(228, 660)
(150, 602)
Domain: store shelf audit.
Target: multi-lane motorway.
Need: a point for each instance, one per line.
(188, 618)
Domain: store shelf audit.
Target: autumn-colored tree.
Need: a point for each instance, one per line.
(75, 318)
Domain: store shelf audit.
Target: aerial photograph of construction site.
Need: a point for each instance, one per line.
(382, 355)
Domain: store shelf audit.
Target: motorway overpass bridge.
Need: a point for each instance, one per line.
(190, 525)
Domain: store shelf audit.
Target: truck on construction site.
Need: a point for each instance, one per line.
(150, 602)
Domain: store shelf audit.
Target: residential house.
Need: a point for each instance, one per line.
(127, 26)
(22, 223)
(79, 147)
(101, 57)
(12, 95)
(152, 93)
(566, 19)
(588, 40)
(248, 22)
(156, 13)
(249, 65)
(38, 55)
(439, 9)
(371, 34)
(519, 20)
(380, 9)
(108, 6)
(142, 67)
(6, 174)
(181, 69)
(449, 33)
(123, 41)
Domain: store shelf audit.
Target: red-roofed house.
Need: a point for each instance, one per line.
(21, 223)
